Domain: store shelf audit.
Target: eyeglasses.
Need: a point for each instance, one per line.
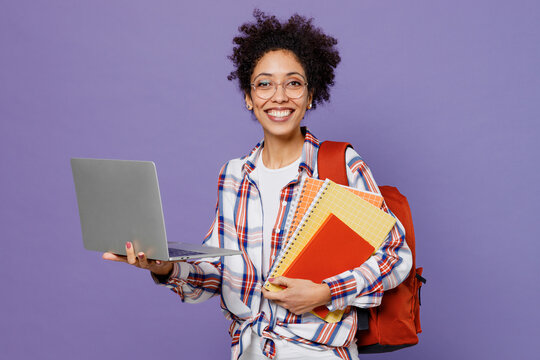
(266, 88)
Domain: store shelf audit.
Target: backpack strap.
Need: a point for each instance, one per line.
(331, 161)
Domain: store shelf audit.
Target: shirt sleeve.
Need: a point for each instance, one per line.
(385, 269)
(199, 280)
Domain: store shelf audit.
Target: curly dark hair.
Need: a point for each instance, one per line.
(315, 51)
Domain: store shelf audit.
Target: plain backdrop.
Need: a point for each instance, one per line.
(441, 98)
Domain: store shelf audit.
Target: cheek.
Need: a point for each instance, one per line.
(259, 104)
(301, 104)
(258, 112)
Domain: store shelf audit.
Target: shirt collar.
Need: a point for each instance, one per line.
(307, 160)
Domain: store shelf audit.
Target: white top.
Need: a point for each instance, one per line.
(270, 183)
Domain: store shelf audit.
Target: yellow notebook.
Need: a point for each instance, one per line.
(367, 220)
(309, 190)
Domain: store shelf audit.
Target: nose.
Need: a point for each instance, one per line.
(280, 95)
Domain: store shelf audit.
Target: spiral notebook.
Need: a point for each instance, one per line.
(309, 190)
(341, 228)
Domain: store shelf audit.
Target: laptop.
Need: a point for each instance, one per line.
(119, 201)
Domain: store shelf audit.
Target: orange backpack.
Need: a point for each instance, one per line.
(395, 323)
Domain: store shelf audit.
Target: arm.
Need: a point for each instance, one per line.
(194, 281)
(199, 280)
(384, 270)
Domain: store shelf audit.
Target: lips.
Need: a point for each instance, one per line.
(279, 114)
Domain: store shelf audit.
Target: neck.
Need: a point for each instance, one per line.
(282, 151)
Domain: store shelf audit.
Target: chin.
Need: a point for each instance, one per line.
(282, 129)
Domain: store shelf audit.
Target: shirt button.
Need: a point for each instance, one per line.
(284, 203)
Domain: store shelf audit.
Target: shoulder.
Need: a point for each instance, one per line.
(232, 168)
(235, 170)
(353, 160)
(231, 174)
(358, 172)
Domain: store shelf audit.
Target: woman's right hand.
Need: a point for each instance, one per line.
(140, 260)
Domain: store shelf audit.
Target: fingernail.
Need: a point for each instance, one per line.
(141, 256)
(158, 262)
(128, 245)
(271, 280)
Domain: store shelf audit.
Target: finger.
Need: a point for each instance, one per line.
(155, 266)
(283, 304)
(113, 257)
(159, 264)
(273, 295)
(162, 263)
(163, 268)
(143, 260)
(130, 252)
(280, 281)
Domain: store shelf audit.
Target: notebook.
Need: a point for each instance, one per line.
(321, 259)
(309, 189)
(369, 224)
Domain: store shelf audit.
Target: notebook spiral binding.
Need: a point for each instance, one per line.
(291, 243)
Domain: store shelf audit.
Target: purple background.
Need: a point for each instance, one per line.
(441, 99)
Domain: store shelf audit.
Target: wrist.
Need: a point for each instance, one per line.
(325, 294)
(164, 271)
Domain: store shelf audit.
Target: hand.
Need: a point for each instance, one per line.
(158, 267)
(299, 296)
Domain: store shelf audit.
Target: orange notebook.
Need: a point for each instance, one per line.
(333, 249)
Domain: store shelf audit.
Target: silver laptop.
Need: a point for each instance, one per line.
(119, 201)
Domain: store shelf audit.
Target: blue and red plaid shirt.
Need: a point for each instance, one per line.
(239, 279)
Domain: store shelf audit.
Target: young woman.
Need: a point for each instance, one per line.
(284, 70)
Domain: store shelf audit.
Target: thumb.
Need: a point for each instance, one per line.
(280, 280)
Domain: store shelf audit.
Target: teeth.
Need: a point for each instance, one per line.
(279, 113)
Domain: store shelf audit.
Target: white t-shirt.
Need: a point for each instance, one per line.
(270, 183)
(286, 350)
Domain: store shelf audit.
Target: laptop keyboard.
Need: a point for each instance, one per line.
(179, 252)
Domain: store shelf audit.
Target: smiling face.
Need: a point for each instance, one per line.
(279, 115)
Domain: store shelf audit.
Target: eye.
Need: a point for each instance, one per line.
(294, 84)
(264, 84)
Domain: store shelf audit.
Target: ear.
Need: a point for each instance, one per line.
(249, 101)
(310, 97)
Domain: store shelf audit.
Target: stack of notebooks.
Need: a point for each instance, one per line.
(333, 229)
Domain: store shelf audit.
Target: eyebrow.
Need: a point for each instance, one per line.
(288, 74)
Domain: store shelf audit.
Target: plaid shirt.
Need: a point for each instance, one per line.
(239, 279)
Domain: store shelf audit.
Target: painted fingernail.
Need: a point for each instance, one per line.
(128, 245)
(158, 262)
(141, 255)
(271, 280)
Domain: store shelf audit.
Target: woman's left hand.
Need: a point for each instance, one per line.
(299, 296)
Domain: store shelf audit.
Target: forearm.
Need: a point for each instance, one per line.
(193, 282)
(364, 286)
